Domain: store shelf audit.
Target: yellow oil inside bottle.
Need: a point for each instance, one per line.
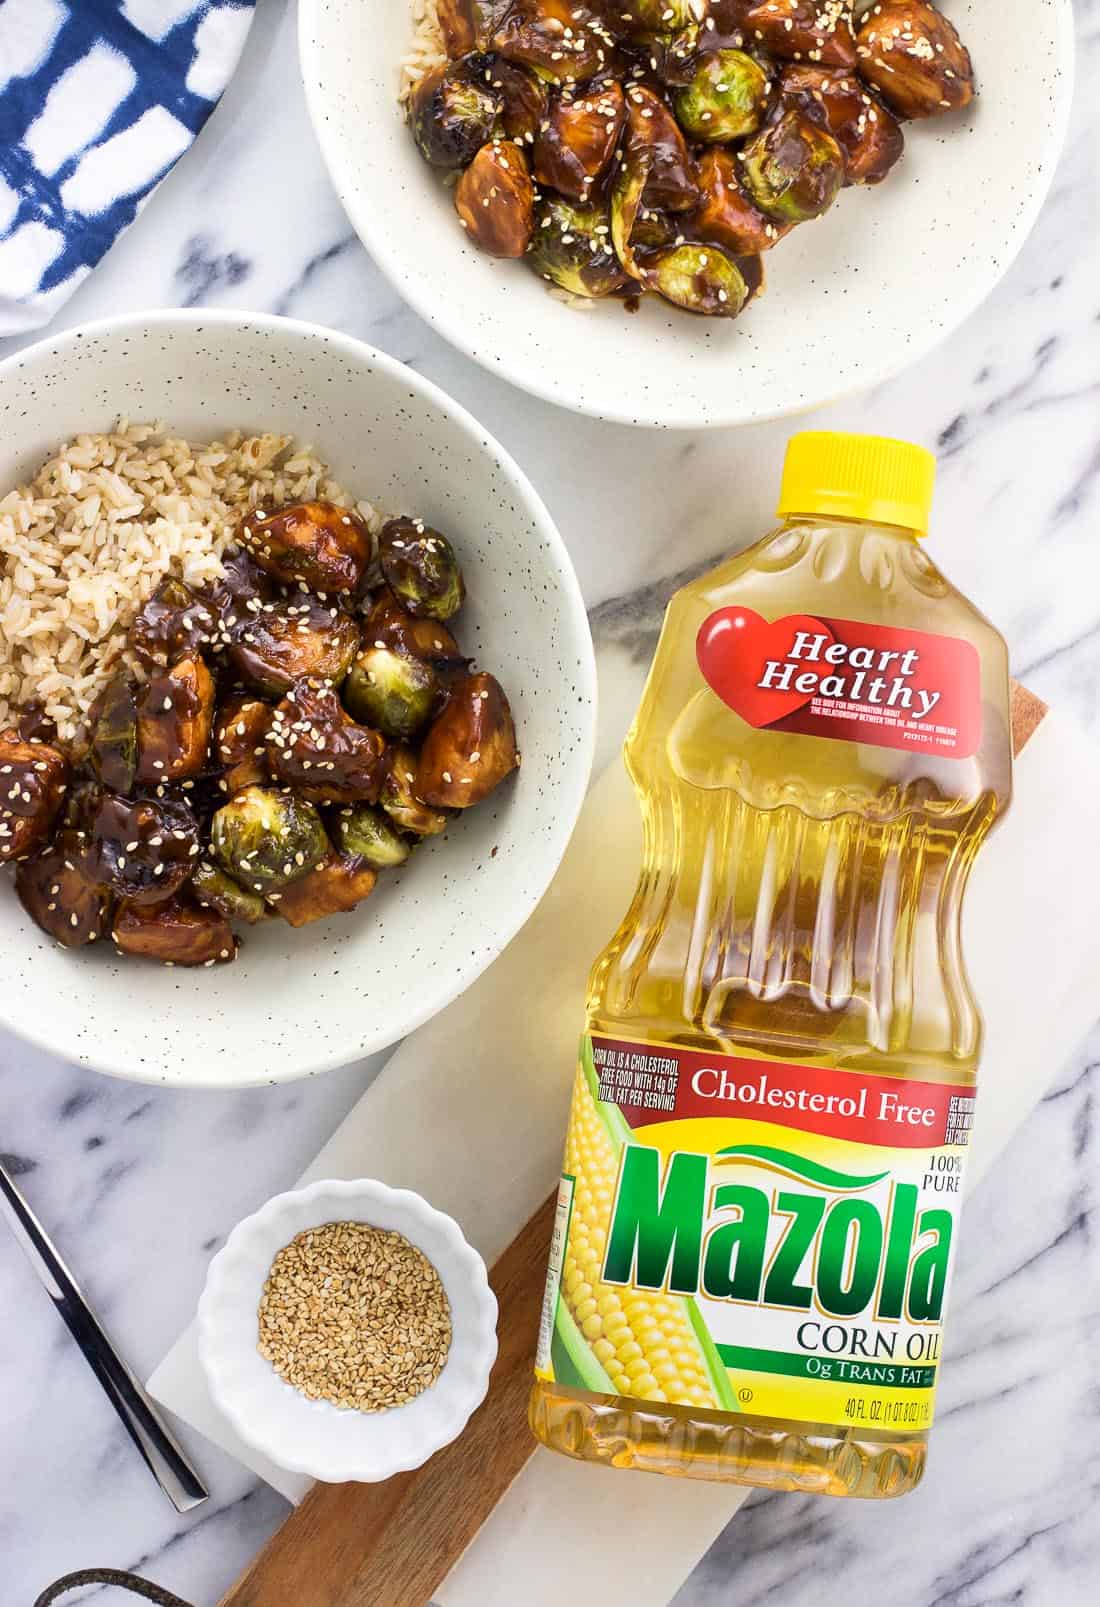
(799, 898)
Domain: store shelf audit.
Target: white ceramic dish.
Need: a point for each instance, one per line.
(851, 299)
(297, 1002)
(315, 1437)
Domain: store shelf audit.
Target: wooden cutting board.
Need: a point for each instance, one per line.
(393, 1544)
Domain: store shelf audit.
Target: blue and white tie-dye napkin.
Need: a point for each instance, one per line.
(98, 99)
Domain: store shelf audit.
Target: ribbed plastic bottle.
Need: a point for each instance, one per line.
(759, 1206)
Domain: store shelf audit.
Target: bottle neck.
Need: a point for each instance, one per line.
(791, 519)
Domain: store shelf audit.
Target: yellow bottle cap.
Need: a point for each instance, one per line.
(858, 477)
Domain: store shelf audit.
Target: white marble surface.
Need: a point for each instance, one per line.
(140, 1186)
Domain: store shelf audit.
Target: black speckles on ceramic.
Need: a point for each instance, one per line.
(298, 1002)
(850, 299)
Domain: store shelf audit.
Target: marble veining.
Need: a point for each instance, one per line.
(140, 1186)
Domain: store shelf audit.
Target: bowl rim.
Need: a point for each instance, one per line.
(462, 1259)
(535, 380)
(37, 1031)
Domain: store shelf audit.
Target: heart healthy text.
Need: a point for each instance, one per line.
(867, 682)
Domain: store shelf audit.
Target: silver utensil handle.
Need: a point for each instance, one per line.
(159, 1448)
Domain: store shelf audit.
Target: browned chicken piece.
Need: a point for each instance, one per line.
(143, 849)
(175, 719)
(240, 741)
(390, 625)
(868, 134)
(818, 31)
(495, 200)
(175, 932)
(55, 889)
(578, 138)
(315, 747)
(671, 186)
(564, 42)
(336, 885)
(316, 544)
(725, 215)
(470, 748)
(174, 622)
(293, 639)
(911, 53)
(34, 777)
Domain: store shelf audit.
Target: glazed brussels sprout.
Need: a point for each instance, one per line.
(391, 691)
(235, 595)
(452, 115)
(265, 838)
(114, 740)
(390, 625)
(171, 624)
(793, 170)
(470, 748)
(367, 834)
(240, 741)
(57, 893)
(318, 544)
(803, 30)
(725, 215)
(401, 801)
(726, 99)
(525, 97)
(572, 249)
(578, 139)
(911, 53)
(655, 143)
(175, 932)
(420, 568)
(33, 779)
(212, 886)
(293, 640)
(143, 849)
(174, 721)
(868, 134)
(469, 24)
(699, 278)
(495, 200)
(333, 887)
(315, 748)
(534, 33)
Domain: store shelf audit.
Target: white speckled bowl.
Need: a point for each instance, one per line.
(314, 1437)
(297, 1002)
(851, 299)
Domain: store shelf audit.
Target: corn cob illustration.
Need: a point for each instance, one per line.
(615, 1340)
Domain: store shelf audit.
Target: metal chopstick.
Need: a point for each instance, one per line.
(158, 1447)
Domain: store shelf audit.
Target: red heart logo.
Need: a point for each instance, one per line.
(735, 647)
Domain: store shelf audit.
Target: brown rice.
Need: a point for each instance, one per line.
(84, 544)
(426, 51)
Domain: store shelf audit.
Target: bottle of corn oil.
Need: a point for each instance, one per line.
(759, 1202)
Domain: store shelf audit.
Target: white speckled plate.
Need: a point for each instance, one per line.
(297, 1002)
(851, 299)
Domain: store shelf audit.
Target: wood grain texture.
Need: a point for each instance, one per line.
(393, 1544)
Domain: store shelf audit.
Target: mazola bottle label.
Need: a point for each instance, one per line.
(754, 1236)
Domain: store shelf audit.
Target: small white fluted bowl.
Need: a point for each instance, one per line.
(314, 1437)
